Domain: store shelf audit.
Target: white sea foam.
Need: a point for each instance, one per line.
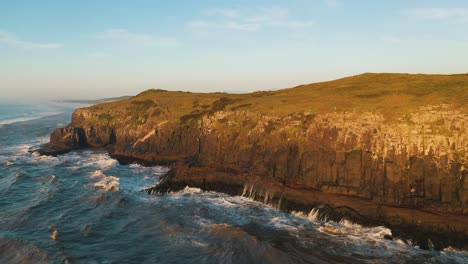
(454, 250)
(23, 148)
(188, 189)
(36, 158)
(108, 183)
(97, 174)
(313, 215)
(28, 118)
(285, 223)
(42, 140)
(23, 152)
(102, 160)
(310, 229)
(350, 229)
(149, 171)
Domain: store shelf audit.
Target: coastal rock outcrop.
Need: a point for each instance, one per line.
(331, 145)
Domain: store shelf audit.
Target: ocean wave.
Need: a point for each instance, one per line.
(314, 215)
(240, 211)
(455, 250)
(108, 183)
(102, 160)
(347, 228)
(191, 190)
(23, 152)
(350, 229)
(156, 169)
(237, 210)
(28, 118)
(22, 148)
(45, 158)
(97, 173)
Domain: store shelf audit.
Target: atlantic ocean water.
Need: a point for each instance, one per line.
(83, 207)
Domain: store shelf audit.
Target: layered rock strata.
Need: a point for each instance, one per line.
(407, 171)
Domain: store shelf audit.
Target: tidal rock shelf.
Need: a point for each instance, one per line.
(378, 149)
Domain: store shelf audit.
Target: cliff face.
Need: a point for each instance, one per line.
(294, 147)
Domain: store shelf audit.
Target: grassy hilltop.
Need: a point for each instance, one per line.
(393, 95)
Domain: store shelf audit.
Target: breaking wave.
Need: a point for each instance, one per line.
(108, 183)
(28, 118)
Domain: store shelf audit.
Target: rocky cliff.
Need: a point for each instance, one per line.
(375, 148)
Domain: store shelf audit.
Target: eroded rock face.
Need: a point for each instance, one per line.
(62, 140)
(417, 161)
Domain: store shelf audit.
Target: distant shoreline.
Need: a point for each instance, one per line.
(92, 101)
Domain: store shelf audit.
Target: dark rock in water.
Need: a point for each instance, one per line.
(63, 140)
(51, 149)
(398, 165)
(388, 237)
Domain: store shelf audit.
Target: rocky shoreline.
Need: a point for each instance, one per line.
(423, 227)
(428, 229)
(399, 165)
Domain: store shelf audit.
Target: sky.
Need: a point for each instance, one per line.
(97, 49)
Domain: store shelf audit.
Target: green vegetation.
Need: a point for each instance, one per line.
(221, 104)
(393, 95)
(105, 117)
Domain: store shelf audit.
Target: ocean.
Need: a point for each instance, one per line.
(84, 207)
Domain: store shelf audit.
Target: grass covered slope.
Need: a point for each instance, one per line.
(392, 95)
(387, 93)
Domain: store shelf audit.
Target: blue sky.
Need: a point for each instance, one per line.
(89, 49)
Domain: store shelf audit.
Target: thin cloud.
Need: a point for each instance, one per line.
(123, 35)
(99, 55)
(334, 3)
(453, 14)
(292, 24)
(250, 20)
(199, 24)
(243, 26)
(13, 41)
(229, 13)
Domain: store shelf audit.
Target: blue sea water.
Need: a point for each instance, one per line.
(12, 113)
(83, 207)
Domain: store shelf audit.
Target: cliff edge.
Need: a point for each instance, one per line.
(379, 149)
